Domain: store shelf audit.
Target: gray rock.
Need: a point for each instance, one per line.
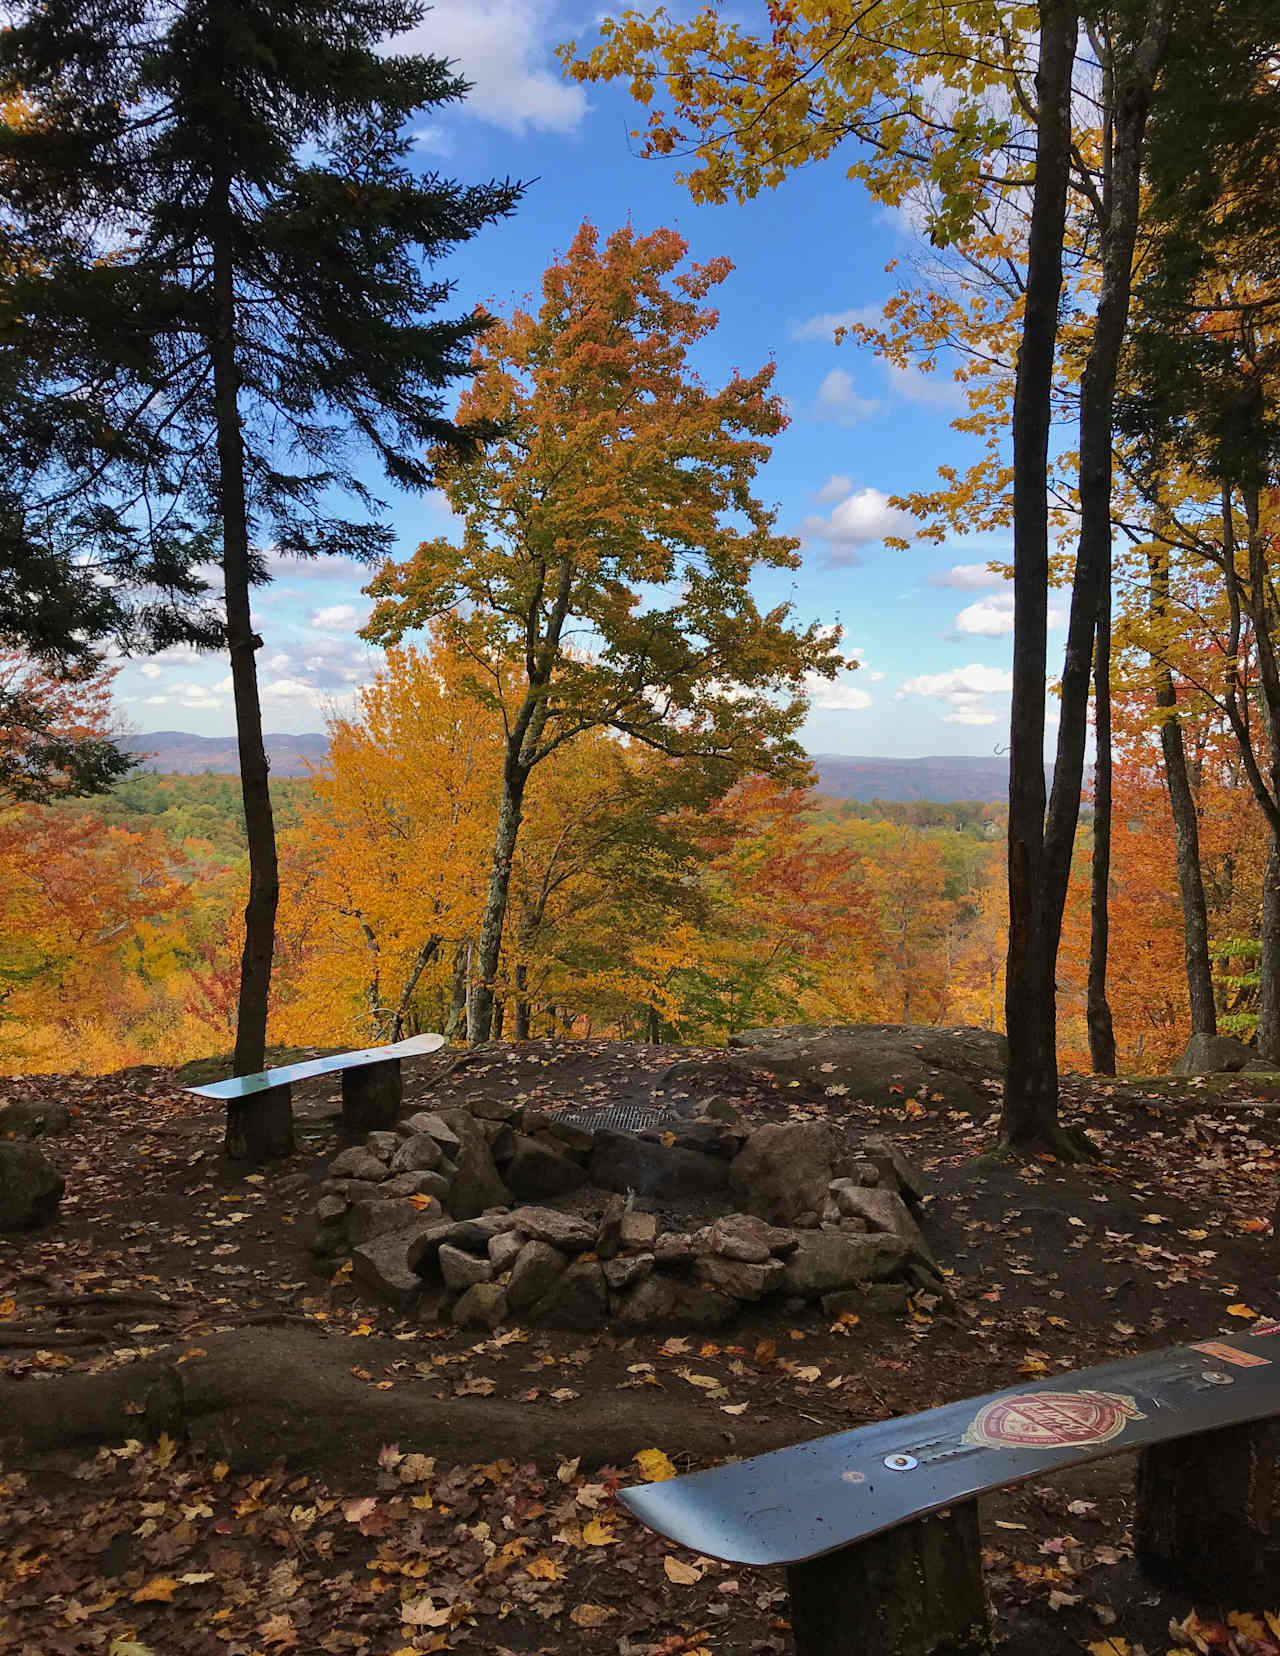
(382, 1265)
(29, 1118)
(425, 1121)
(493, 1109)
(698, 1306)
(895, 1168)
(501, 1138)
(827, 1260)
(419, 1154)
(561, 1230)
(609, 1234)
(354, 1190)
(476, 1184)
(472, 1236)
(785, 1168)
(417, 1184)
(567, 1134)
(808, 1220)
(484, 1305)
(1213, 1055)
(873, 1299)
(460, 1269)
(577, 1300)
(368, 1219)
(673, 1249)
(650, 1301)
(357, 1163)
(293, 1184)
(538, 1267)
(381, 1144)
(620, 1161)
(536, 1170)
(329, 1209)
(638, 1230)
(739, 1278)
(323, 1230)
(504, 1249)
(743, 1236)
(884, 1211)
(626, 1272)
(422, 1254)
(706, 1137)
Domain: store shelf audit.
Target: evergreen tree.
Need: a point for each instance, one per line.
(222, 221)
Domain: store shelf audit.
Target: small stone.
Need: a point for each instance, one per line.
(417, 1184)
(422, 1255)
(871, 1299)
(357, 1163)
(740, 1278)
(293, 1184)
(806, 1221)
(329, 1209)
(484, 1305)
(698, 1306)
(434, 1126)
(381, 1264)
(827, 1260)
(561, 1230)
(609, 1235)
(504, 1250)
(673, 1248)
(864, 1173)
(536, 1169)
(355, 1190)
(460, 1270)
(638, 1230)
(626, 1272)
(577, 1300)
(895, 1169)
(720, 1109)
(472, 1236)
(493, 1109)
(368, 1219)
(381, 1144)
(650, 1301)
(420, 1153)
(537, 1268)
(743, 1236)
(568, 1135)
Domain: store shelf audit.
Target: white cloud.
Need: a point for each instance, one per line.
(151, 670)
(968, 578)
(336, 618)
(875, 677)
(960, 684)
(933, 390)
(836, 694)
(993, 617)
(503, 47)
(835, 488)
(197, 696)
(325, 568)
(824, 325)
(969, 716)
(864, 517)
(838, 400)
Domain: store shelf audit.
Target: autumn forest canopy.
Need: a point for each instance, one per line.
(572, 798)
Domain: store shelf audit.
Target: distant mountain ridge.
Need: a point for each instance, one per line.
(841, 776)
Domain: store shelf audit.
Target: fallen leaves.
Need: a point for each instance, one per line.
(655, 1467)
(684, 1575)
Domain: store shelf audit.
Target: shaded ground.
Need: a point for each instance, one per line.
(1169, 1239)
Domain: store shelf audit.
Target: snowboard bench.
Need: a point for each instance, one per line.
(260, 1107)
(878, 1527)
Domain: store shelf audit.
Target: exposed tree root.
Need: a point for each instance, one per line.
(248, 1398)
(1070, 1145)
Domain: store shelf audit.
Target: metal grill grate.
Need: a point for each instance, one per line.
(626, 1118)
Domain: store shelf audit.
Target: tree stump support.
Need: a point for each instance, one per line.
(260, 1125)
(1208, 1513)
(911, 1591)
(371, 1097)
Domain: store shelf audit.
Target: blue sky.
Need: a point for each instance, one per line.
(932, 628)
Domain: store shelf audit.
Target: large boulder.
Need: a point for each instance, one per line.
(29, 1118)
(30, 1187)
(867, 1061)
(827, 1260)
(477, 1184)
(537, 1170)
(578, 1299)
(1213, 1055)
(537, 1268)
(382, 1265)
(785, 1169)
(622, 1162)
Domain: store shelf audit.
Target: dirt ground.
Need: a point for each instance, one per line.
(161, 1243)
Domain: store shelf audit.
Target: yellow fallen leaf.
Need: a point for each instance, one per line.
(420, 1202)
(1244, 1311)
(545, 1568)
(654, 1466)
(596, 1534)
(159, 1590)
(1273, 1622)
(424, 1612)
(1114, 1646)
(8, 1307)
(684, 1575)
(165, 1449)
(591, 1615)
(127, 1647)
(708, 1382)
(1250, 1626)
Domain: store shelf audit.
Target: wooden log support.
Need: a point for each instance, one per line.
(1208, 1513)
(371, 1097)
(260, 1125)
(911, 1591)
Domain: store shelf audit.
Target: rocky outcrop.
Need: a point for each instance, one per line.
(30, 1187)
(1217, 1055)
(875, 1061)
(28, 1118)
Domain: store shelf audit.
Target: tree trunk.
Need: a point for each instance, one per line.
(515, 777)
(457, 1019)
(1208, 1513)
(1186, 829)
(522, 1003)
(1031, 1083)
(1268, 975)
(1102, 1035)
(260, 832)
(497, 1020)
(912, 1591)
